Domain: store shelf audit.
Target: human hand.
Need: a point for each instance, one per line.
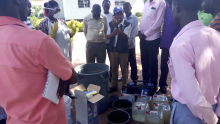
(141, 36)
(114, 22)
(54, 30)
(115, 32)
(62, 88)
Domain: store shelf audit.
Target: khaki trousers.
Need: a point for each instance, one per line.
(95, 52)
(116, 60)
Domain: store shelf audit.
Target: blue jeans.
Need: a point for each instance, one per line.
(181, 114)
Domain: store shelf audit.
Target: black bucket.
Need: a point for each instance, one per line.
(123, 104)
(118, 117)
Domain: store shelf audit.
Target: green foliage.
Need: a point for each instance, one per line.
(35, 21)
(37, 11)
(138, 14)
(145, 1)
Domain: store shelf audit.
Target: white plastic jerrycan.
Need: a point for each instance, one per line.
(146, 99)
(129, 97)
(138, 111)
(154, 117)
(165, 108)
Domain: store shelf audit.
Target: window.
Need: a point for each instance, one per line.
(119, 2)
(83, 3)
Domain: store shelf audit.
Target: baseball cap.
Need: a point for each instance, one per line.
(118, 9)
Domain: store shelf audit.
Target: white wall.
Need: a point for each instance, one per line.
(137, 5)
(72, 11)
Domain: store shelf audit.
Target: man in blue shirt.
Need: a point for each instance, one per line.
(170, 30)
(131, 41)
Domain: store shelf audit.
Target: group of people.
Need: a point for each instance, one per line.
(190, 49)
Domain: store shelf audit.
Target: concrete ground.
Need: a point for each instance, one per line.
(79, 58)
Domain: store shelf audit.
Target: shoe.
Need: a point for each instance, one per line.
(161, 91)
(112, 89)
(120, 79)
(124, 89)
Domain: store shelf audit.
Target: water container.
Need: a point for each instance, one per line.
(138, 111)
(129, 97)
(159, 99)
(165, 108)
(146, 99)
(118, 117)
(123, 104)
(154, 117)
(97, 74)
(70, 120)
(68, 106)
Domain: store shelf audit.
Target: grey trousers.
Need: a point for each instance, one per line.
(181, 114)
(95, 52)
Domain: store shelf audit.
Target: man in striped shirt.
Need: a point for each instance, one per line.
(212, 6)
(3, 116)
(28, 21)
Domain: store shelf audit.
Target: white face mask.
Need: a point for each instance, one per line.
(57, 15)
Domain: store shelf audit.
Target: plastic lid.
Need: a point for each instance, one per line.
(148, 112)
(130, 83)
(155, 96)
(139, 95)
(69, 115)
(149, 84)
(122, 95)
(155, 104)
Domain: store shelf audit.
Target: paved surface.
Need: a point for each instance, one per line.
(79, 57)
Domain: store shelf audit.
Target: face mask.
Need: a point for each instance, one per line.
(57, 15)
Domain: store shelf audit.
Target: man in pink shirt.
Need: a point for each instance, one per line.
(194, 67)
(26, 56)
(150, 33)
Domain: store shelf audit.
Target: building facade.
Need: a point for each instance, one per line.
(78, 9)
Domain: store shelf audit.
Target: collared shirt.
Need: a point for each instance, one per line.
(152, 19)
(95, 29)
(134, 24)
(2, 114)
(109, 17)
(170, 29)
(194, 68)
(215, 23)
(28, 23)
(205, 18)
(24, 65)
(127, 31)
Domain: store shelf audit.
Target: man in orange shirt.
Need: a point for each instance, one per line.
(26, 56)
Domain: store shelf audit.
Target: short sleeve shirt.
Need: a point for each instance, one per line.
(26, 56)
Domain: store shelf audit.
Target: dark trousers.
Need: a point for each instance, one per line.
(133, 63)
(164, 68)
(3, 121)
(149, 60)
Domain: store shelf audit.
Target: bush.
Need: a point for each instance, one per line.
(37, 11)
(138, 14)
(35, 21)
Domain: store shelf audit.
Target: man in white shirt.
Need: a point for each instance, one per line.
(106, 4)
(131, 41)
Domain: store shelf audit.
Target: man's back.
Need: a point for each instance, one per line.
(194, 68)
(26, 56)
